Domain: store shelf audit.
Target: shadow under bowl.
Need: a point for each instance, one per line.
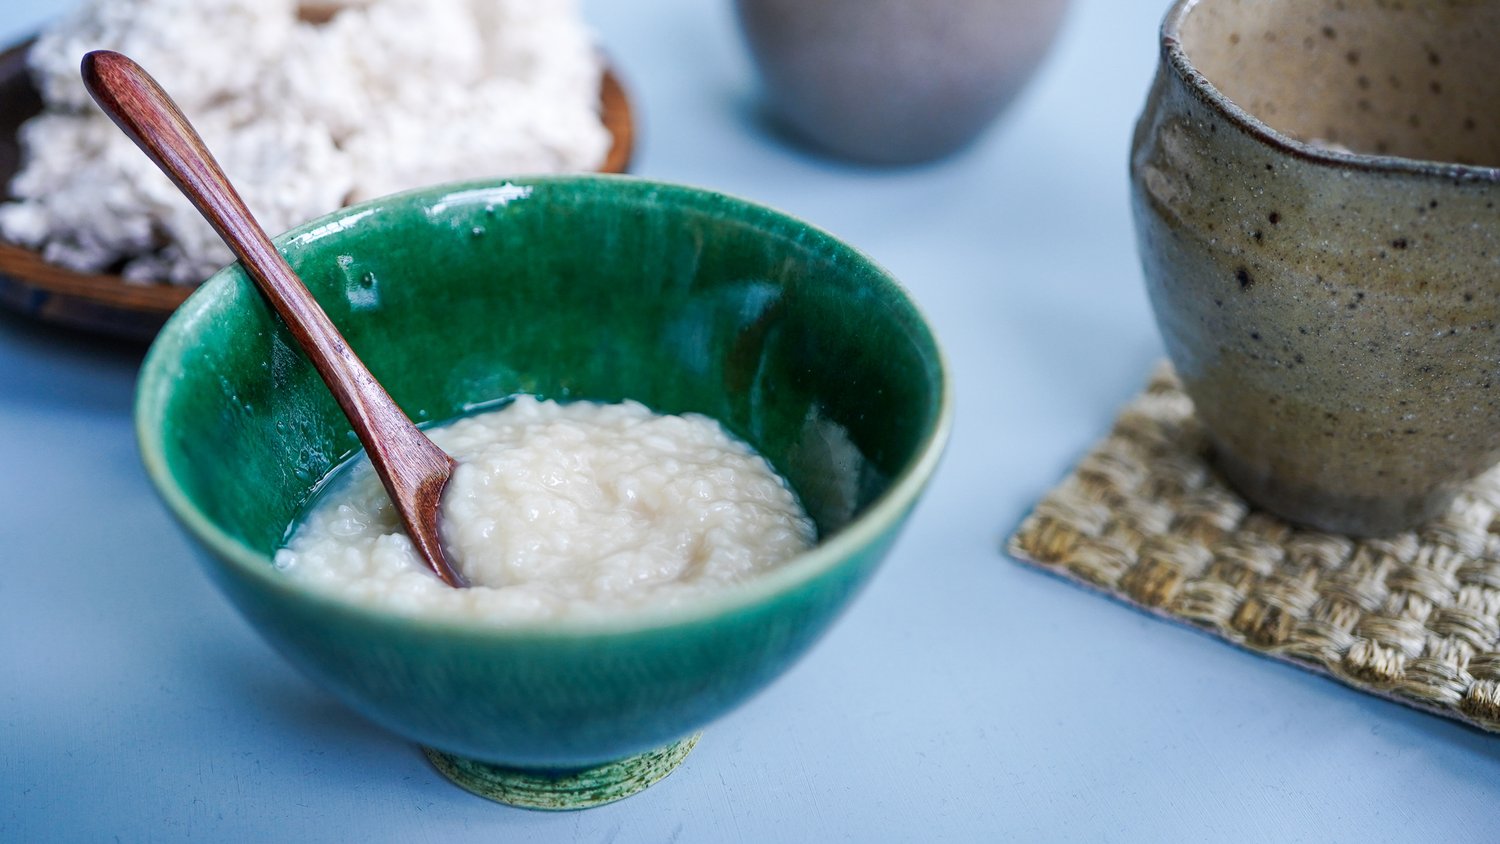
(593, 287)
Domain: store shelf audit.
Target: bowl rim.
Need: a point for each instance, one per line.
(155, 383)
(1175, 57)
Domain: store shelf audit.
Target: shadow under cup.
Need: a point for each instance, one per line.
(1316, 207)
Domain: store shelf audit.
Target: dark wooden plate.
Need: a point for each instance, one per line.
(106, 304)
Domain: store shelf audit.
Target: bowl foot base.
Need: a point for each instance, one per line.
(562, 791)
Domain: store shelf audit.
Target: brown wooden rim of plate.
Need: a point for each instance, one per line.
(92, 300)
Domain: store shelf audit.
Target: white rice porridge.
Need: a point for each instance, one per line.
(561, 510)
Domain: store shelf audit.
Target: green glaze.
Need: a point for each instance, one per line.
(587, 288)
(573, 790)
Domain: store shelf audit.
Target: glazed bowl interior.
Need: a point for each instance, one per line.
(1416, 80)
(593, 288)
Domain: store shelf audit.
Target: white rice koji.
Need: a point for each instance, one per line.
(561, 510)
(308, 105)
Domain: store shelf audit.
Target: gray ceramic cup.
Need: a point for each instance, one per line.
(895, 81)
(1315, 198)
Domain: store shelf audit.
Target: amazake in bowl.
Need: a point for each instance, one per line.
(589, 287)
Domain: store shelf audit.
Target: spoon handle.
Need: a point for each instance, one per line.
(413, 469)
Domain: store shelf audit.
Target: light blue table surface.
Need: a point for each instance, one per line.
(962, 698)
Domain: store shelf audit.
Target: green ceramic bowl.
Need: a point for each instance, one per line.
(572, 288)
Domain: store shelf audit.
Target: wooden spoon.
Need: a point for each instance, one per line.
(413, 469)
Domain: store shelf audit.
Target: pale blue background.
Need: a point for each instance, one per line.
(963, 698)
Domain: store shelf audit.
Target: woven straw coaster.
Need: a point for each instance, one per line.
(1414, 618)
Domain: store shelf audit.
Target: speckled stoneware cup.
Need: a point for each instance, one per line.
(895, 81)
(1329, 291)
(570, 288)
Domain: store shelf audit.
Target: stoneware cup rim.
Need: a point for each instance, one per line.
(1174, 55)
(155, 382)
